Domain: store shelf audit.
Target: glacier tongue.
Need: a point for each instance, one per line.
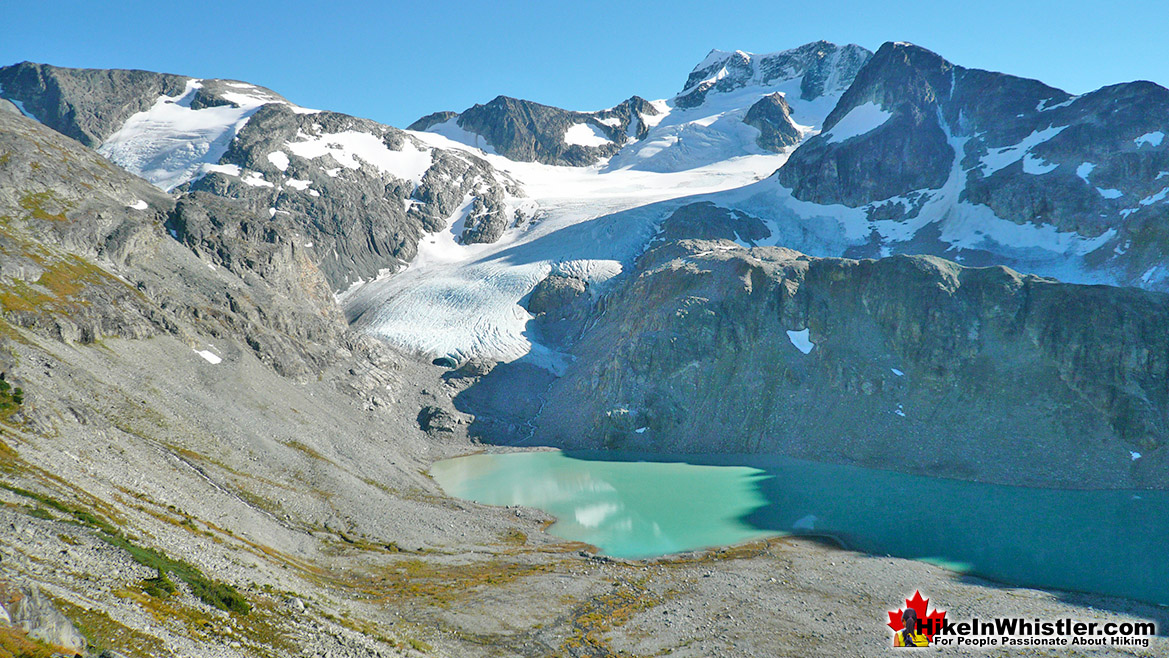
(462, 301)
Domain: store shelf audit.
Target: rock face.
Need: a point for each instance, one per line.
(356, 219)
(908, 363)
(85, 256)
(357, 195)
(706, 221)
(916, 137)
(821, 67)
(531, 132)
(772, 116)
(88, 105)
(28, 609)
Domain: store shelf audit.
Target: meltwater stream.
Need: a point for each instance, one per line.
(639, 506)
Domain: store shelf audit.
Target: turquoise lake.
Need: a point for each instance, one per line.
(640, 506)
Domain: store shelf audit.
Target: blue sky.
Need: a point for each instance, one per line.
(395, 61)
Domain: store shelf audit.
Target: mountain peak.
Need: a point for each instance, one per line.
(825, 67)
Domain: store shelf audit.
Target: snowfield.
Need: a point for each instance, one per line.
(170, 143)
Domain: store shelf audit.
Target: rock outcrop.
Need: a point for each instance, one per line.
(772, 116)
(88, 105)
(28, 609)
(908, 363)
(530, 132)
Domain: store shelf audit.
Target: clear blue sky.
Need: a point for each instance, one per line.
(395, 61)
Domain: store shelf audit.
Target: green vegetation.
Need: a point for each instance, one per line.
(45, 205)
(219, 595)
(11, 398)
(216, 594)
(160, 587)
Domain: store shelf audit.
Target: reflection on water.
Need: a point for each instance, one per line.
(626, 508)
(1113, 542)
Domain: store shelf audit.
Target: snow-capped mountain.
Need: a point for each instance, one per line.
(732, 104)
(360, 194)
(530, 132)
(922, 156)
(828, 149)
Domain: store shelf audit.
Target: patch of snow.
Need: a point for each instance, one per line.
(138, 205)
(1152, 139)
(1154, 198)
(350, 148)
(452, 131)
(1161, 175)
(1135, 455)
(640, 430)
(20, 107)
(169, 143)
(860, 120)
(297, 184)
(610, 121)
(279, 159)
(1043, 107)
(897, 372)
(256, 179)
(313, 193)
(801, 341)
(585, 134)
(271, 212)
(1037, 166)
(899, 411)
(1085, 170)
(210, 356)
(998, 158)
(228, 169)
(173, 233)
(1109, 193)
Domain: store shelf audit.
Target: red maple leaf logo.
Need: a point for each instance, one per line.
(930, 623)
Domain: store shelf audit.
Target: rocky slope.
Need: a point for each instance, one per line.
(906, 363)
(357, 194)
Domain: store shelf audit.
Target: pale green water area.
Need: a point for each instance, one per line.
(639, 506)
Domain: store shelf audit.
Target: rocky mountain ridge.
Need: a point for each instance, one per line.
(383, 190)
(979, 373)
